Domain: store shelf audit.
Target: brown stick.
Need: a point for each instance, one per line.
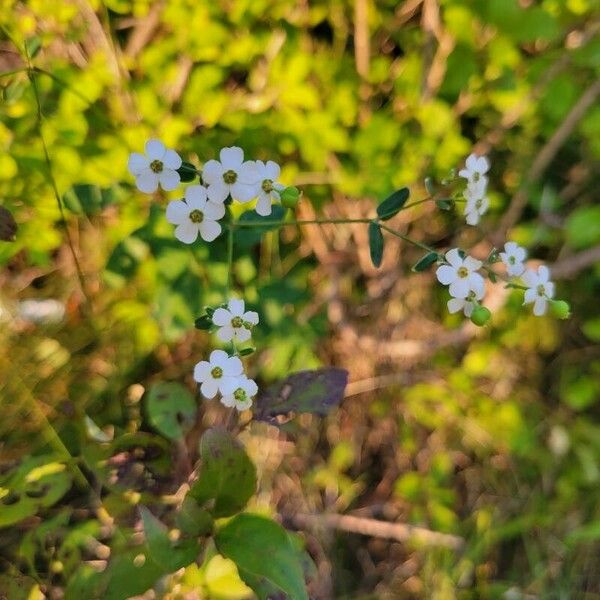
(401, 532)
(568, 267)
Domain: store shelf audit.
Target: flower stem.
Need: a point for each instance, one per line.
(230, 229)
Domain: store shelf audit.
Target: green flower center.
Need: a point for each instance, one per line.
(476, 176)
(230, 177)
(248, 325)
(196, 216)
(512, 260)
(471, 297)
(240, 395)
(217, 373)
(237, 322)
(478, 203)
(463, 272)
(156, 166)
(267, 185)
(541, 290)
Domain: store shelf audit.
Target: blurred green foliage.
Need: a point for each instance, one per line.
(495, 440)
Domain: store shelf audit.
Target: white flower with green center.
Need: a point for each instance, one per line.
(467, 305)
(234, 322)
(195, 215)
(268, 186)
(513, 257)
(214, 373)
(158, 166)
(477, 202)
(238, 392)
(231, 176)
(540, 289)
(461, 275)
(475, 169)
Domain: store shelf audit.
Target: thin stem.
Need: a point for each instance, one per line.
(230, 229)
(9, 73)
(407, 239)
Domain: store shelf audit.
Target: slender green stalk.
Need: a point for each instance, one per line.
(230, 230)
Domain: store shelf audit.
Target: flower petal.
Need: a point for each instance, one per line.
(471, 162)
(472, 218)
(454, 258)
(476, 283)
(549, 288)
(529, 296)
(273, 170)
(209, 388)
(218, 191)
(539, 306)
(468, 309)
(202, 371)
(137, 163)
(231, 158)
(186, 232)
(242, 405)
(147, 181)
(250, 386)
(543, 273)
(251, 317)
(213, 211)
(233, 367)
(195, 196)
(242, 334)
(263, 204)
(482, 165)
(209, 230)
(243, 192)
(172, 160)
(218, 358)
(249, 173)
(530, 278)
(228, 400)
(226, 333)
(445, 274)
(169, 179)
(212, 171)
(236, 307)
(459, 288)
(472, 263)
(155, 149)
(221, 317)
(455, 304)
(177, 212)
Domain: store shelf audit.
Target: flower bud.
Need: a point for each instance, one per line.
(480, 316)
(560, 309)
(290, 196)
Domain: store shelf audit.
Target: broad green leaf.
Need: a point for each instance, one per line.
(261, 548)
(583, 227)
(425, 262)
(375, 243)
(226, 476)
(392, 204)
(192, 519)
(204, 322)
(317, 391)
(171, 409)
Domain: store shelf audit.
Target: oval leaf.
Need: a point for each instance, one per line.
(187, 172)
(425, 262)
(392, 204)
(375, 243)
(227, 475)
(171, 409)
(261, 548)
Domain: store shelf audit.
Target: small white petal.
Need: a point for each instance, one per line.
(530, 278)
(242, 334)
(249, 173)
(209, 388)
(233, 367)
(228, 400)
(446, 274)
(218, 192)
(477, 283)
(529, 296)
(250, 387)
(172, 160)
(242, 405)
(263, 204)
(482, 165)
(226, 333)
(549, 288)
(472, 218)
(251, 317)
(187, 232)
(218, 358)
(213, 211)
(195, 196)
(221, 317)
(147, 181)
(231, 158)
(468, 309)
(454, 258)
(169, 179)
(472, 263)
(137, 163)
(178, 212)
(273, 170)
(236, 307)
(243, 192)
(459, 288)
(455, 304)
(202, 371)
(543, 273)
(212, 171)
(209, 230)
(539, 306)
(155, 150)
(471, 162)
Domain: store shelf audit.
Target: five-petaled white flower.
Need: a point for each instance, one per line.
(540, 289)
(477, 202)
(467, 305)
(216, 372)
(233, 322)
(196, 215)
(158, 166)
(268, 186)
(232, 176)
(460, 274)
(513, 257)
(475, 168)
(239, 392)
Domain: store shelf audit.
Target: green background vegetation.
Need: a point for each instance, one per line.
(491, 435)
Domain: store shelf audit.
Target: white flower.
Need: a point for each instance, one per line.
(540, 289)
(268, 187)
(234, 323)
(195, 215)
(513, 257)
(214, 373)
(475, 168)
(460, 274)
(467, 305)
(232, 176)
(477, 202)
(158, 166)
(239, 392)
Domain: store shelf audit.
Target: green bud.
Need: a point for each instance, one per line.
(560, 309)
(290, 196)
(480, 316)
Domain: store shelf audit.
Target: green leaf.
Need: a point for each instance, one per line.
(262, 549)
(246, 351)
(227, 475)
(317, 391)
(375, 243)
(171, 409)
(203, 322)
(89, 199)
(392, 204)
(192, 519)
(583, 227)
(425, 262)
(187, 172)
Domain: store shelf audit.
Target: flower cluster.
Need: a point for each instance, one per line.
(199, 212)
(223, 373)
(460, 272)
